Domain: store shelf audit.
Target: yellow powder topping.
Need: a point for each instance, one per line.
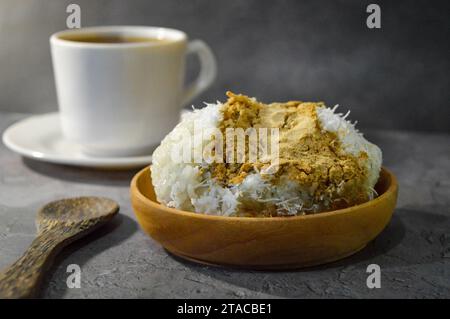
(308, 155)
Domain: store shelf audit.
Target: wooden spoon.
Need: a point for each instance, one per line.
(58, 223)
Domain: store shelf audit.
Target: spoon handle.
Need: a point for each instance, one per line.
(22, 279)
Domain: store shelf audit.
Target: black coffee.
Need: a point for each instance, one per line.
(110, 38)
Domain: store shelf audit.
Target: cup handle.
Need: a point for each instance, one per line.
(207, 74)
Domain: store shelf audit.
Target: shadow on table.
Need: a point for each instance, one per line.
(406, 241)
(106, 237)
(82, 175)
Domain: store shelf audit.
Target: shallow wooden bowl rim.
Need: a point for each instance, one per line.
(392, 188)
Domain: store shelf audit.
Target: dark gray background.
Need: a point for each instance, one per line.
(396, 77)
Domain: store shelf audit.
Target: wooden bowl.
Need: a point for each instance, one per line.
(263, 243)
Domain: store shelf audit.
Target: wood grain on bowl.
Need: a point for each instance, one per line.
(262, 242)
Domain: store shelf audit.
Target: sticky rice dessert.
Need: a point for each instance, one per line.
(322, 162)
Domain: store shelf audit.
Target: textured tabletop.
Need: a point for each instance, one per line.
(119, 261)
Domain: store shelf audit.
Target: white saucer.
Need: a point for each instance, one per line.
(40, 137)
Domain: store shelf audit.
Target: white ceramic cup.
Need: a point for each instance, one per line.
(119, 99)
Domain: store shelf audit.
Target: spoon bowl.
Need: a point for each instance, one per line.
(70, 211)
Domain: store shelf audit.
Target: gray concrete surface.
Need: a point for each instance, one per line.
(395, 77)
(121, 262)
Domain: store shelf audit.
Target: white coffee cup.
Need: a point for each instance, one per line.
(119, 99)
